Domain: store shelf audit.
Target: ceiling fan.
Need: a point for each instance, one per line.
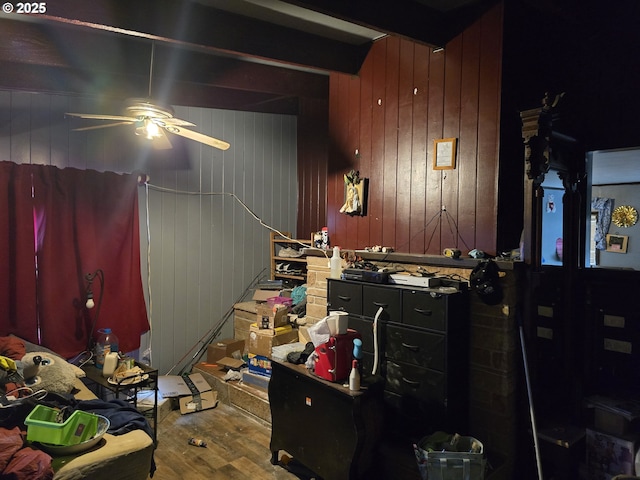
(151, 121)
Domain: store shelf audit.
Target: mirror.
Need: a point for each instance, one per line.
(613, 239)
(552, 218)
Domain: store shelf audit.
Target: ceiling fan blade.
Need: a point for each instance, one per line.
(174, 121)
(103, 117)
(95, 127)
(162, 142)
(199, 137)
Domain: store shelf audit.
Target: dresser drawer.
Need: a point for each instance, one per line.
(344, 296)
(390, 299)
(423, 349)
(415, 382)
(364, 326)
(424, 309)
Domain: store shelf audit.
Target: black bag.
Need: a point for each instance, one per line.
(485, 281)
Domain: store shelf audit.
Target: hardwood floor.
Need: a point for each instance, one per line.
(237, 447)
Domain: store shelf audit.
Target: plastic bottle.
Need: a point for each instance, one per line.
(106, 343)
(354, 376)
(336, 263)
(357, 348)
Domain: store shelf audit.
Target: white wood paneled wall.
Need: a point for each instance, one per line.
(205, 248)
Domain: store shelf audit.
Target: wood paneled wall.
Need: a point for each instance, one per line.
(383, 123)
(205, 247)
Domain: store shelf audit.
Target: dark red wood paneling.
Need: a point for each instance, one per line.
(435, 127)
(390, 170)
(451, 129)
(364, 142)
(405, 144)
(419, 149)
(379, 53)
(488, 130)
(312, 166)
(468, 145)
(393, 126)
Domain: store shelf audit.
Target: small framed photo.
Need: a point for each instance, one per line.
(617, 243)
(444, 154)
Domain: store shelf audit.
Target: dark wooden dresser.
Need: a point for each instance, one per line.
(327, 428)
(423, 359)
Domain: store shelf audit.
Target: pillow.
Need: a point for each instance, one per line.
(12, 347)
(55, 374)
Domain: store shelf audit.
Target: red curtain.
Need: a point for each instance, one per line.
(76, 222)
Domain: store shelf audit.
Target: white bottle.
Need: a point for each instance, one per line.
(336, 263)
(354, 377)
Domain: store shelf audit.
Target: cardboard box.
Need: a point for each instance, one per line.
(261, 344)
(303, 334)
(224, 348)
(146, 399)
(259, 365)
(203, 401)
(262, 295)
(244, 314)
(231, 363)
(270, 331)
(175, 386)
(608, 455)
(270, 317)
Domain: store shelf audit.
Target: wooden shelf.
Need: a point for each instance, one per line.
(278, 243)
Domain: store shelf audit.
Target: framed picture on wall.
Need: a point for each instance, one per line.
(444, 154)
(617, 243)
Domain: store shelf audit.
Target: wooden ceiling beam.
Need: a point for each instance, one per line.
(193, 25)
(420, 20)
(64, 59)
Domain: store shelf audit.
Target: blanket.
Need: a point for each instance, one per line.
(20, 462)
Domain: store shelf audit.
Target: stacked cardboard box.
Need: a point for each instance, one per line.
(228, 347)
(262, 340)
(271, 317)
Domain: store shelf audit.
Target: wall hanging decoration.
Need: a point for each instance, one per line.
(625, 216)
(617, 243)
(355, 191)
(444, 154)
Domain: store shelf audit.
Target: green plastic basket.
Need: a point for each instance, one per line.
(43, 427)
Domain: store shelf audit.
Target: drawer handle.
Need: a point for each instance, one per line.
(411, 383)
(381, 305)
(424, 312)
(413, 348)
(345, 298)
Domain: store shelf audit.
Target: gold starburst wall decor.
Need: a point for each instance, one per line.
(624, 216)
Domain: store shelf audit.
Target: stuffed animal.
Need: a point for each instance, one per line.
(50, 372)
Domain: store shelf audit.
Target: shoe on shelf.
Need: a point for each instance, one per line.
(289, 252)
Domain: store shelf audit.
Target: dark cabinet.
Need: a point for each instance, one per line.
(423, 351)
(325, 426)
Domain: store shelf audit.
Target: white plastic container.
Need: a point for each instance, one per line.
(354, 377)
(336, 263)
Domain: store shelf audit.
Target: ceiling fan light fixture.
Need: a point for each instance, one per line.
(149, 129)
